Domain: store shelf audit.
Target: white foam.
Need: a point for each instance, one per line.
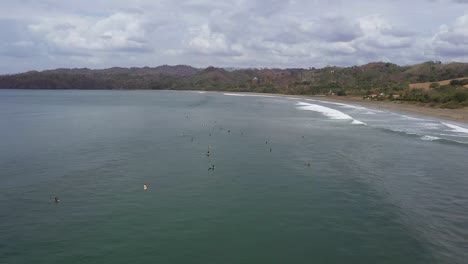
(350, 106)
(429, 138)
(347, 105)
(231, 94)
(457, 129)
(357, 122)
(329, 112)
(409, 117)
(201, 92)
(252, 95)
(294, 98)
(431, 125)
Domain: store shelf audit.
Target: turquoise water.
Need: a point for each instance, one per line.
(382, 187)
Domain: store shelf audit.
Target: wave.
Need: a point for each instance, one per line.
(232, 94)
(410, 117)
(347, 105)
(329, 112)
(424, 137)
(455, 128)
(369, 110)
(430, 138)
(357, 122)
(252, 95)
(431, 125)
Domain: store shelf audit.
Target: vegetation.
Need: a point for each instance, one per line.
(373, 78)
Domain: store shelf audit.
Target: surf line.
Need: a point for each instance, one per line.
(328, 112)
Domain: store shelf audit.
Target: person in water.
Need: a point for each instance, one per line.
(56, 199)
(145, 186)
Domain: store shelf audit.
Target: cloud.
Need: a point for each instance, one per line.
(117, 32)
(332, 29)
(205, 41)
(240, 33)
(451, 41)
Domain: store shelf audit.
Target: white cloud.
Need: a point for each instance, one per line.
(120, 31)
(451, 41)
(279, 33)
(207, 42)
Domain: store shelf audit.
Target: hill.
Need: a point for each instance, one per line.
(377, 77)
(427, 85)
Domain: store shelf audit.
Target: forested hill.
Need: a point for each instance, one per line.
(378, 77)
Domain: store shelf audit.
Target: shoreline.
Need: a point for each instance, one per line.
(456, 115)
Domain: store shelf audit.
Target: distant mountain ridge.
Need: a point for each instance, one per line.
(375, 77)
(178, 70)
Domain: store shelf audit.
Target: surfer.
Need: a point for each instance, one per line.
(145, 186)
(56, 199)
(270, 149)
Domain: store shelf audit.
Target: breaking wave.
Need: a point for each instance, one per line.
(328, 112)
(424, 137)
(252, 95)
(457, 129)
(430, 138)
(234, 94)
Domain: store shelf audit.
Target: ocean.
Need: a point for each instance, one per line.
(295, 180)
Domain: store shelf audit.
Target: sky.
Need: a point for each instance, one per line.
(49, 34)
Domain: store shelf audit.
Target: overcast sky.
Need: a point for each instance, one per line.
(47, 34)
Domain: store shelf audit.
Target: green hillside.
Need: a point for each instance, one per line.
(385, 79)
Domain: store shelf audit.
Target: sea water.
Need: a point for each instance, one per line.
(295, 180)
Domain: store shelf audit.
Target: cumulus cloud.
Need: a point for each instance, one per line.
(205, 41)
(242, 33)
(451, 41)
(332, 29)
(120, 31)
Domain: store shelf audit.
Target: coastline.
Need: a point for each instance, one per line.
(456, 115)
